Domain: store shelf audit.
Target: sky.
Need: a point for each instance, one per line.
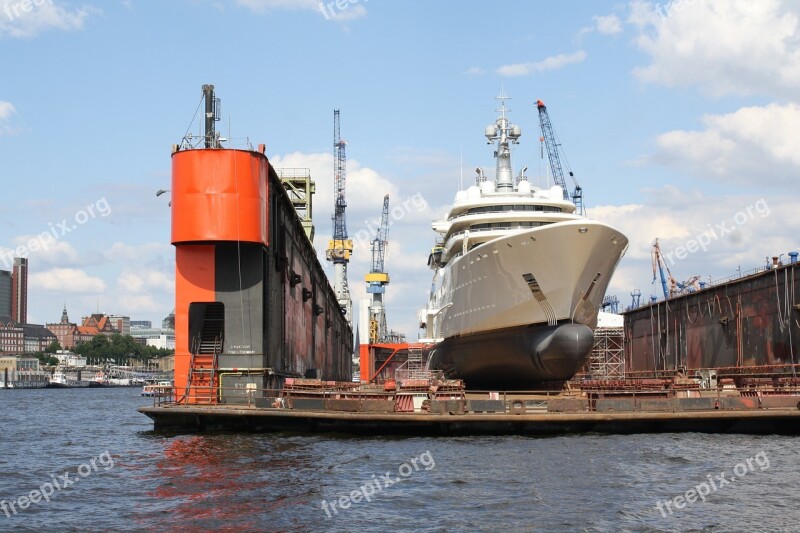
(680, 120)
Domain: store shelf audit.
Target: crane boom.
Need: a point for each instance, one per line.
(378, 278)
(669, 284)
(555, 160)
(339, 181)
(340, 247)
(381, 238)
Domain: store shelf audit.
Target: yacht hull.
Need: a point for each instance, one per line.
(521, 308)
(516, 357)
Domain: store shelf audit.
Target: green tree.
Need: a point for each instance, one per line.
(53, 348)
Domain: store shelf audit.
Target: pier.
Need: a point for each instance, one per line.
(645, 408)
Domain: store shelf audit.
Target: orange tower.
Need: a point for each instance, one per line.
(252, 303)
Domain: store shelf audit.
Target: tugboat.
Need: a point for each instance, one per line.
(60, 381)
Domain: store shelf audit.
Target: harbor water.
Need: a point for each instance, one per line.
(102, 468)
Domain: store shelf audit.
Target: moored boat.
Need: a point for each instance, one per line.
(61, 381)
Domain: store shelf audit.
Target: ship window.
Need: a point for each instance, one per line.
(513, 207)
(506, 225)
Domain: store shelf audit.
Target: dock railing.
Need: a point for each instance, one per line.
(453, 402)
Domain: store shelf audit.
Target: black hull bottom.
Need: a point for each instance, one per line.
(515, 358)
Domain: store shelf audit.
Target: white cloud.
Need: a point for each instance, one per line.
(754, 145)
(44, 251)
(123, 252)
(351, 9)
(144, 280)
(29, 19)
(266, 5)
(732, 47)
(364, 188)
(7, 112)
(410, 234)
(69, 280)
(549, 63)
(475, 71)
(608, 24)
(738, 231)
(139, 303)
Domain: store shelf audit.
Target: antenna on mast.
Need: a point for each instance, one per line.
(461, 178)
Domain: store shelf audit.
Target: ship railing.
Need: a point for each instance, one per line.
(737, 276)
(289, 172)
(595, 398)
(409, 373)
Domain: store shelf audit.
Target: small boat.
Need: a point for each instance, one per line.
(60, 381)
(162, 389)
(99, 380)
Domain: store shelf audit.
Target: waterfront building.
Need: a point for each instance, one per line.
(5, 295)
(19, 290)
(169, 321)
(67, 358)
(98, 324)
(65, 331)
(12, 339)
(158, 337)
(8, 362)
(122, 324)
(36, 337)
(28, 364)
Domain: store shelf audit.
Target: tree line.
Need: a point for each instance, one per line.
(117, 349)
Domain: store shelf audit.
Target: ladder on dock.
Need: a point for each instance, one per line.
(204, 364)
(414, 367)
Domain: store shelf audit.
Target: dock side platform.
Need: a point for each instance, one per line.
(228, 418)
(641, 406)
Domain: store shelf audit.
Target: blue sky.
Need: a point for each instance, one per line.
(676, 117)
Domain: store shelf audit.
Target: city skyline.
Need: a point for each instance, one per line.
(14, 295)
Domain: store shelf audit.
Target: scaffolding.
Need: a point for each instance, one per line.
(607, 360)
(415, 367)
(300, 188)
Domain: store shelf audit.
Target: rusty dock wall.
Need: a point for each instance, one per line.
(741, 324)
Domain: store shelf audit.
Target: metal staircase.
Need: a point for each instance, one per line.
(414, 367)
(206, 348)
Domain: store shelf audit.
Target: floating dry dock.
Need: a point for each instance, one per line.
(632, 406)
